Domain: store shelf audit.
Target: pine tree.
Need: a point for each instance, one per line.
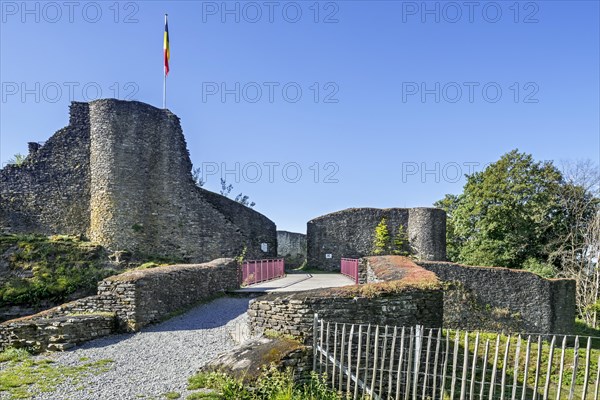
(382, 238)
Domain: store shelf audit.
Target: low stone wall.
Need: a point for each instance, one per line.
(293, 313)
(55, 334)
(488, 298)
(413, 296)
(147, 296)
(125, 302)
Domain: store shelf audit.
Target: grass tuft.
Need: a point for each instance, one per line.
(21, 375)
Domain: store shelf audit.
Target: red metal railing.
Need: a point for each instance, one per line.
(255, 271)
(350, 268)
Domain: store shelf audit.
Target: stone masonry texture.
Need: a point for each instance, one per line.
(120, 174)
(292, 313)
(125, 302)
(351, 233)
(400, 294)
(148, 296)
(488, 298)
(292, 247)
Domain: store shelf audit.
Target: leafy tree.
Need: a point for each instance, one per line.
(520, 213)
(509, 213)
(578, 250)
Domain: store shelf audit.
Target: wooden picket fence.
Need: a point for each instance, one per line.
(402, 363)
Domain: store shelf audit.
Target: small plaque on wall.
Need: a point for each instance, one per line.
(264, 247)
(328, 255)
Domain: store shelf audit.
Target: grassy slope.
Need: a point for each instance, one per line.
(52, 268)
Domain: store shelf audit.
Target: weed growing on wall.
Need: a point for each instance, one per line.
(17, 160)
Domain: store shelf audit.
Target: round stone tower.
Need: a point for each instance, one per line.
(427, 233)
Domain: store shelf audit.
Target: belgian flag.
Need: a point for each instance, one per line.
(166, 47)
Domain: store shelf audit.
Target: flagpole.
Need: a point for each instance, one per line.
(165, 67)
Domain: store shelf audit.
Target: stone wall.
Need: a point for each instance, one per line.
(292, 247)
(55, 334)
(256, 228)
(125, 302)
(292, 313)
(404, 295)
(486, 298)
(120, 174)
(50, 192)
(351, 233)
(147, 296)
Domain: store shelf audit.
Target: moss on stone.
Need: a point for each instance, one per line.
(51, 268)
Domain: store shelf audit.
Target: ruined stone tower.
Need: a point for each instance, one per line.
(351, 232)
(120, 174)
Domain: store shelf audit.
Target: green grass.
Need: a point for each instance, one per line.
(172, 395)
(22, 375)
(50, 268)
(272, 385)
(567, 376)
(54, 268)
(582, 329)
(204, 396)
(149, 265)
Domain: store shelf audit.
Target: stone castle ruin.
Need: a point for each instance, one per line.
(120, 175)
(350, 233)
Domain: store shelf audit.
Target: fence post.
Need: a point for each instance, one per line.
(575, 366)
(538, 365)
(335, 338)
(427, 353)
(549, 372)
(504, 368)
(327, 351)
(321, 347)
(526, 369)
(587, 368)
(562, 367)
(485, 360)
(417, 367)
(315, 319)
(400, 360)
(342, 349)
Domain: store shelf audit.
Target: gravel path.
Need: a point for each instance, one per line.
(157, 360)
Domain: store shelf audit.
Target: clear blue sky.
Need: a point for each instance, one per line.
(370, 56)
